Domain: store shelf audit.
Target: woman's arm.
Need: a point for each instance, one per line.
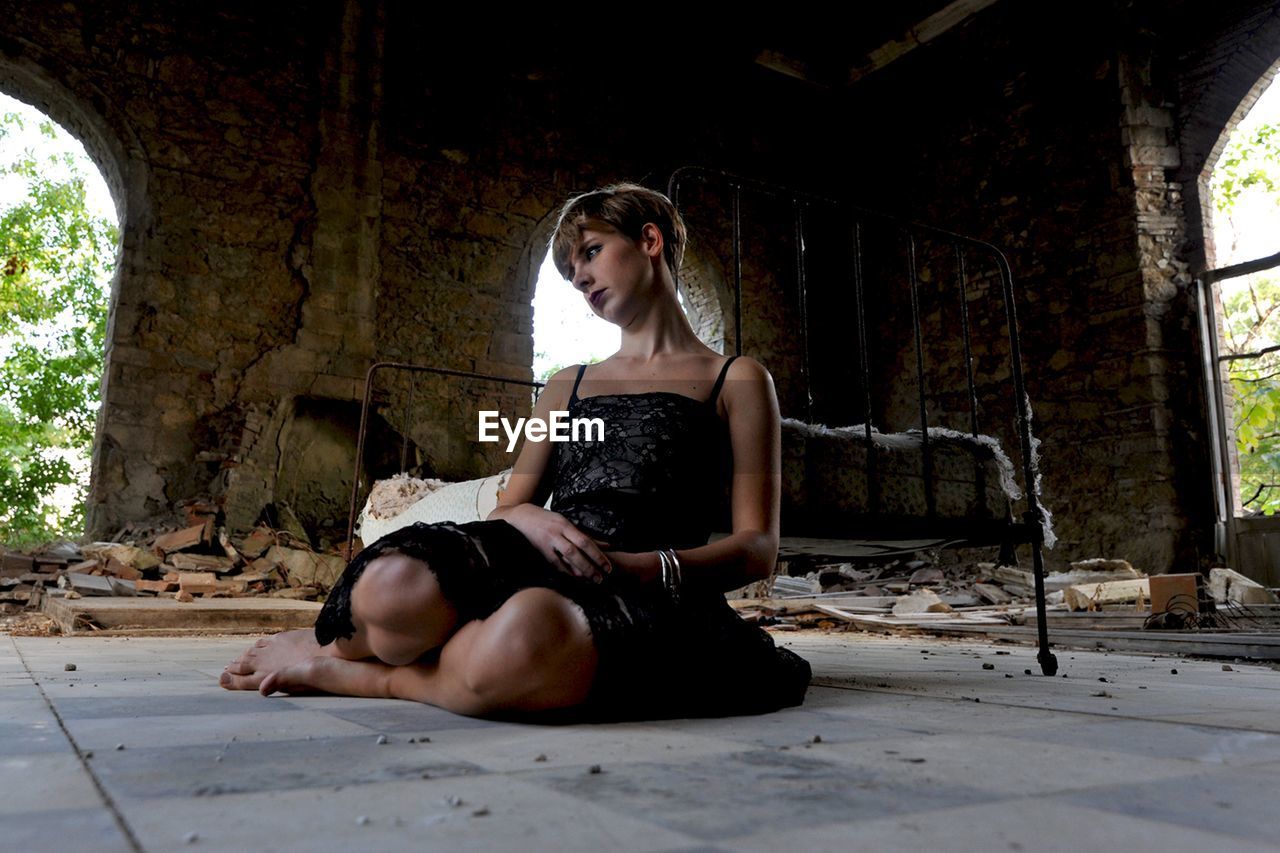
(556, 538)
(750, 552)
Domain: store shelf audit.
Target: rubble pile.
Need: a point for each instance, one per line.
(912, 593)
(188, 563)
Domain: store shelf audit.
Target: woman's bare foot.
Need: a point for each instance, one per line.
(325, 674)
(268, 655)
(300, 677)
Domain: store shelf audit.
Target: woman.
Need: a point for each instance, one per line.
(610, 604)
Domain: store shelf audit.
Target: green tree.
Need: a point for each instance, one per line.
(55, 261)
(1251, 162)
(1250, 322)
(1249, 330)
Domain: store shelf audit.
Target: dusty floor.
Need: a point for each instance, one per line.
(918, 747)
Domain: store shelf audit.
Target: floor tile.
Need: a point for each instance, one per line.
(1238, 802)
(178, 730)
(1007, 825)
(605, 745)
(409, 816)
(719, 797)
(41, 782)
(244, 767)
(64, 829)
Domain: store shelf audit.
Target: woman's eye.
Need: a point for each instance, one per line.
(590, 253)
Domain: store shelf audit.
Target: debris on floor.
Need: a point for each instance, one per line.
(190, 563)
(1098, 602)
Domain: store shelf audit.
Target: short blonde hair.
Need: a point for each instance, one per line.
(625, 207)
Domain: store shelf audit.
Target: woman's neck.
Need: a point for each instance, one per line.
(663, 330)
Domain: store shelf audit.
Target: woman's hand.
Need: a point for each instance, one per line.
(561, 543)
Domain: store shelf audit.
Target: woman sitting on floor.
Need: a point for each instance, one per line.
(610, 605)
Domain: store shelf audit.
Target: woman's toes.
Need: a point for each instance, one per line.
(268, 685)
(232, 681)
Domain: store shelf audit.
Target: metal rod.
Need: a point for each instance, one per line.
(1030, 469)
(864, 369)
(404, 444)
(968, 347)
(1220, 459)
(737, 269)
(926, 450)
(979, 470)
(803, 301)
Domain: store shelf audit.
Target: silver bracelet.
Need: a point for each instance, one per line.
(675, 568)
(670, 573)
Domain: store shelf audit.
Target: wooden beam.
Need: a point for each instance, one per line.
(922, 33)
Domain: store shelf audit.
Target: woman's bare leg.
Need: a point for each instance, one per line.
(397, 610)
(535, 653)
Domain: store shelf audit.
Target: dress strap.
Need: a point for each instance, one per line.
(715, 391)
(574, 395)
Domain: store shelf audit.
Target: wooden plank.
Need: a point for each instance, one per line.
(167, 615)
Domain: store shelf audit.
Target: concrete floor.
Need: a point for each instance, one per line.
(920, 747)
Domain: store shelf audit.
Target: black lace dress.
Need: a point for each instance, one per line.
(657, 480)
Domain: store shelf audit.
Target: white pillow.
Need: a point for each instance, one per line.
(471, 500)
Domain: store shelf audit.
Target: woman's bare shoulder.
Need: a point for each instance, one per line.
(559, 387)
(746, 367)
(747, 383)
(749, 375)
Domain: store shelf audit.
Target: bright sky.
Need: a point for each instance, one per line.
(31, 139)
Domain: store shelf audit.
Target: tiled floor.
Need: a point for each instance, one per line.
(917, 747)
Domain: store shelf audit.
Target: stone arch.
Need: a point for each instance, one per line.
(1220, 82)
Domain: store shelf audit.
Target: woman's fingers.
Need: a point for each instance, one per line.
(589, 547)
(574, 560)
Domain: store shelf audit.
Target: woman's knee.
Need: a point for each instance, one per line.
(537, 643)
(398, 606)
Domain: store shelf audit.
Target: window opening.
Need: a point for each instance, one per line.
(58, 239)
(1245, 188)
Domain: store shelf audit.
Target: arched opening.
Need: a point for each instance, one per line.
(59, 239)
(1242, 187)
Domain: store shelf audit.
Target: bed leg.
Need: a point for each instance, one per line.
(1048, 662)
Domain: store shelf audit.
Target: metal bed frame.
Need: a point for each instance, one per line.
(803, 207)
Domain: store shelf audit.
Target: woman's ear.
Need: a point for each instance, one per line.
(651, 239)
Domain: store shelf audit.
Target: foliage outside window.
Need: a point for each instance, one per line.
(56, 259)
(1249, 330)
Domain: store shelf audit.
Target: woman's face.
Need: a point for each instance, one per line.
(612, 272)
